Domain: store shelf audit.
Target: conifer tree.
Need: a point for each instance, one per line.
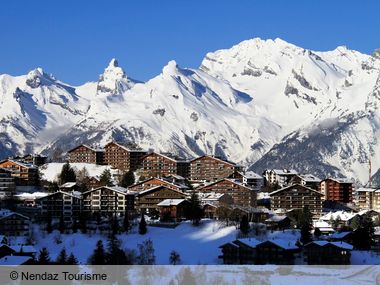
(194, 211)
(72, 260)
(127, 179)
(146, 253)
(106, 178)
(317, 233)
(62, 257)
(306, 224)
(174, 258)
(43, 257)
(126, 222)
(244, 225)
(67, 174)
(363, 235)
(142, 225)
(115, 255)
(98, 257)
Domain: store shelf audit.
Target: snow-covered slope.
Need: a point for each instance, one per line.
(312, 111)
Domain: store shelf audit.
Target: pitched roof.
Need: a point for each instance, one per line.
(14, 260)
(252, 175)
(162, 180)
(294, 185)
(171, 202)
(86, 146)
(234, 181)
(118, 189)
(159, 154)
(74, 194)
(309, 178)
(213, 157)
(251, 242)
(4, 213)
(343, 215)
(339, 180)
(68, 185)
(340, 244)
(125, 147)
(26, 165)
(340, 235)
(156, 188)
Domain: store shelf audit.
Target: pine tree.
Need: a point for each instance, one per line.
(306, 224)
(72, 260)
(355, 222)
(194, 211)
(98, 257)
(146, 253)
(43, 258)
(127, 179)
(115, 255)
(106, 178)
(244, 225)
(62, 257)
(142, 225)
(126, 222)
(363, 235)
(53, 187)
(114, 226)
(174, 258)
(83, 223)
(67, 174)
(317, 233)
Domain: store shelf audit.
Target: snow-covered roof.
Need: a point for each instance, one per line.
(210, 196)
(4, 213)
(340, 244)
(276, 218)
(171, 202)
(343, 215)
(68, 185)
(213, 157)
(74, 194)
(252, 175)
(125, 147)
(87, 146)
(14, 260)
(251, 242)
(177, 185)
(175, 176)
(285, 244)
(31, 196)
(339, 179)
(364, 189)
(340, 235)
(157, 187)
(310, 178)
(118, 189)
(285, 171)
(292, 186)
(22, 164)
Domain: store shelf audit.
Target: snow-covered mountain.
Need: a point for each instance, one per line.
(265, 102)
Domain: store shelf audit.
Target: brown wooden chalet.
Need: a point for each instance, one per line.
(209, 168)
(24, 174)
(157, 165)
(147, 200)
(123, 157)
(296, 197)
(328, 253)
(337, 189)
(153, 182)
(86, 154)
(13, 224)
(173, 209)
(241, 194)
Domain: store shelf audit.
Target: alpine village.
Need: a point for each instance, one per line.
(118, 190)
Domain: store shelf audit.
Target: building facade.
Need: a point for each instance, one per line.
(122, 157)
(153, 182)
(108, 201)
(242, 195)
(86, 154)
(13, 224)
(7, 183)
(157, 165)
(24, 174)
(209, 168)
(339, 190)
(296, 197)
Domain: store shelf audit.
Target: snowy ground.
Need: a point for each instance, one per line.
(50, 171)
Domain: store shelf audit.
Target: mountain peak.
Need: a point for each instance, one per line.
(170, 68)
(113, 63)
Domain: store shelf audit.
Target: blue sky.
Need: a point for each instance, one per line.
(75, 40)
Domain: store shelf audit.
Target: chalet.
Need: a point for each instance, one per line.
(344, 218)
(24, 174)
(307, 180)
(253, 251)
(328, 253)
(211, 201)
(337, 189)
(123, 157)
(153, 182)
(277, 222)
(7, 183)
(346, 236)
(276, 251)
(280, 177)
(209, 168)
(92, 182)
(249, 178)
(147, 200)
(296, 197)
(157, 165)
(15, 260)
(108, 201)
(368, 198)
(13, 224)
(173, 209)
(241, 194)
(86, 154)
(61, 204)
